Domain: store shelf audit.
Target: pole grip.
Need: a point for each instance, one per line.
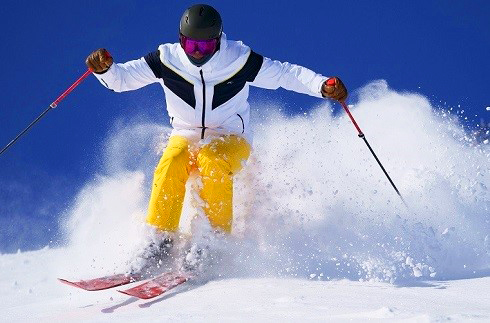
(332, 81)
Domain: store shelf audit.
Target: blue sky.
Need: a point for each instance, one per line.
(437, 48)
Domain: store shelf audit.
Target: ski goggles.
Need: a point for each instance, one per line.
(205, 47)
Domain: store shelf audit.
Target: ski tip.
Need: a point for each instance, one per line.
(101, 283)
(64, 281)
(141, 296)
(67, 282)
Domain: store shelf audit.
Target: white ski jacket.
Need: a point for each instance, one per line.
(210, 99)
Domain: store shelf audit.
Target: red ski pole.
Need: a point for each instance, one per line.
(361, 135)
(51, 106)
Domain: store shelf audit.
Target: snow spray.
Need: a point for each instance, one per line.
(307, 205)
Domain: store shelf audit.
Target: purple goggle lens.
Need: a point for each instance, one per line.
(205, 47)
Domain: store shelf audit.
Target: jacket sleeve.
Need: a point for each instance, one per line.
(275, 74)
(128, 76)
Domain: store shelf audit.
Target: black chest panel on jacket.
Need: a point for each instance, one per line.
(173, 81)
(227, 89)
(223, 91)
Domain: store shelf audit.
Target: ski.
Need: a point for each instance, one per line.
(157, 286)
(102, 283)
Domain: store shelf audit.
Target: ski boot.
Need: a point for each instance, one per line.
(152, 259)
(196, 260)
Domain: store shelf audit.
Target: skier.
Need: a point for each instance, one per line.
(206, 80)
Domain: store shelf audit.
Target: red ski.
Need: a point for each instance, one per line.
(103, 282)
(157, 286)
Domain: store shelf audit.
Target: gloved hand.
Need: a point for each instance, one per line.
(99, 61)
(333, 88)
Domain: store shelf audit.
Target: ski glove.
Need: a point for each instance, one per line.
(99, 61)
(333, 88)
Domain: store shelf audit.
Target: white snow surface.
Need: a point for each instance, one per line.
(319, 233)
(32, 294)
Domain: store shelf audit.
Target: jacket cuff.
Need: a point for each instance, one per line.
(100, 73)
(108, 77)
(320, 86)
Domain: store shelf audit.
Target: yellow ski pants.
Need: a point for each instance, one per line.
(217, 162)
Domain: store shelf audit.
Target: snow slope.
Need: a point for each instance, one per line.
(319, 233)
(31, 293)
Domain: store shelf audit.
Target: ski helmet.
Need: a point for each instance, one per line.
(200, 22)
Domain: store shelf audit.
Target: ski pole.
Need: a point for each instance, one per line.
(51, 106)
(363, 137)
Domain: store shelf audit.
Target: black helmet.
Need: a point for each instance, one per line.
(201, 22)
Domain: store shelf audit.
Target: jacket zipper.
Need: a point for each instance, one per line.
(243, 124)
(203, 105)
